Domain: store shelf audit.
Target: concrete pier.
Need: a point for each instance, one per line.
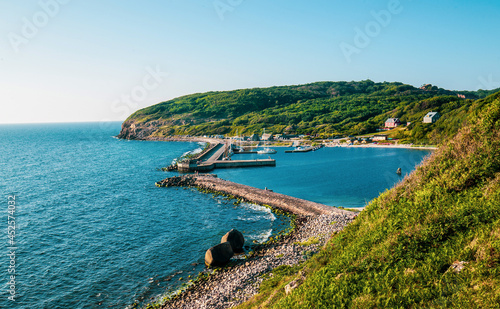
(213, 159)
(254, 195)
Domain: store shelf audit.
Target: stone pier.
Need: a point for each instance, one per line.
(254, 195)
(214, 159)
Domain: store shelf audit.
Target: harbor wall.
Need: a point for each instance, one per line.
(254, 195)
(244, 163)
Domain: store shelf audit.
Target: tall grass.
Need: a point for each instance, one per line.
(398, 251)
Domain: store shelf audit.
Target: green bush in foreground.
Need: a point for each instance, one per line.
(398, 251)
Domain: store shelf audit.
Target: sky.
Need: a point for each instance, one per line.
(101, 60)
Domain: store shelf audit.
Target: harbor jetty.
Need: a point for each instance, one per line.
(304, 149)
(217, 157)
(237, 283)
(255, 195)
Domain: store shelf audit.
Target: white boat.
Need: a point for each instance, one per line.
(266, 151)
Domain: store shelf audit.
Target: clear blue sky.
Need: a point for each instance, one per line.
(89, 60)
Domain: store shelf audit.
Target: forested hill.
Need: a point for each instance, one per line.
(328, 108)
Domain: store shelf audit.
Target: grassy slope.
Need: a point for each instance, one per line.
(397, 252)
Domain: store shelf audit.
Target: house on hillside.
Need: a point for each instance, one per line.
(254, 137)
(392, 123)
(381, 137)
(431, 117)
(267, 137)
(428, 87)
(287, 136)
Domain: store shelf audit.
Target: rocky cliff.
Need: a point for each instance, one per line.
(140, 130)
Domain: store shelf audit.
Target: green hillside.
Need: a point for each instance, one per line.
(327, 108)
(400, 252)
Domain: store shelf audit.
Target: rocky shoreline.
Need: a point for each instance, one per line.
(125, 134)
(238, 282)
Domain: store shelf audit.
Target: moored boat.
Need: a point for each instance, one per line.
(266, 151)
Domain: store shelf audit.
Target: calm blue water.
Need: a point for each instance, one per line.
(347, 176)
(94, 232)
(91, 225)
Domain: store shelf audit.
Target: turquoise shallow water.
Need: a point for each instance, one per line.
(94, 232)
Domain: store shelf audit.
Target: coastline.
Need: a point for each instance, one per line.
(180, 138)
(240, 280)
(237, 283)
(402, 146)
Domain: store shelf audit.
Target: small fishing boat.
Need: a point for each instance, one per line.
(266, 151)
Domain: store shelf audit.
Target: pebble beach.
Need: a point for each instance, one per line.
(233, 285)
(240, 280)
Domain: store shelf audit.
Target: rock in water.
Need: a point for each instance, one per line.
(236, 239)
(219, 255)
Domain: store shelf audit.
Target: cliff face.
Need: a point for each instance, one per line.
(127, 131)
(139, 130)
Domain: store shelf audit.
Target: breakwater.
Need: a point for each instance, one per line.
(217, 157)
(259, 196)
(235, 284)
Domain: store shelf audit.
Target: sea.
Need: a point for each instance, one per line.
(83, 225)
